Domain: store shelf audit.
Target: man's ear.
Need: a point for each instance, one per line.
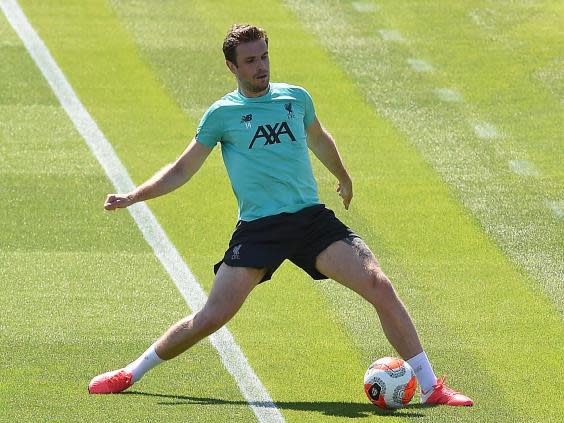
(232, 67)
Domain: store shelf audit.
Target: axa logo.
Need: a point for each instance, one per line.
(271, 134)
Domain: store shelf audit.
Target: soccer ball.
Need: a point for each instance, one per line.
(390, 382)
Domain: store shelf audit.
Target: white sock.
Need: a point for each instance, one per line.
(144, 363)
(423, 371)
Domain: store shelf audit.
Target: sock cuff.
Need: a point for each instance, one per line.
(423, 370)
(416, 360)
(152, 354)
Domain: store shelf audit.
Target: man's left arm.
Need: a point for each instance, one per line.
(324, 147)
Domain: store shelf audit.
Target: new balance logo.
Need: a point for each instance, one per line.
(246, 120)
(271, 134)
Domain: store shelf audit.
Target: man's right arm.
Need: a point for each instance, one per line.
(166, 180)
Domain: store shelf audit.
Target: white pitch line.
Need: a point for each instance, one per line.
(233, 358)
(449, 95)
(391, 35)
(486, 130)
(363, 7)
(523, 168)
(419, 65)
(557, 207)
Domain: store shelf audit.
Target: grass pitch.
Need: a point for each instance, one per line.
(82, 293)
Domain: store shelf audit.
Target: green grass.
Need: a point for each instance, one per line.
(494, 55)
(82, 292)
(80, 289)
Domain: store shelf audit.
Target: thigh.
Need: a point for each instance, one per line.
(262, 243)
(351, 263)
(231, 287)
(321, 229)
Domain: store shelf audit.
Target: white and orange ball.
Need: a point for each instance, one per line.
(390, 382)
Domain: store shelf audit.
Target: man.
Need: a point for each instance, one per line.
(265, 130)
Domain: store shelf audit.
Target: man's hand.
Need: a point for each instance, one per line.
(344, 188)
(118, 201)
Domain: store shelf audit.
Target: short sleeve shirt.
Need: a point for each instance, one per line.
(264, 148)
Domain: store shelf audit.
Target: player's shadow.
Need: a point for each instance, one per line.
(335, 409)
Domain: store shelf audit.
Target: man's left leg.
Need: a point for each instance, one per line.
(351, 263)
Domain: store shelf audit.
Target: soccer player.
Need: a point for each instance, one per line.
(265, 130)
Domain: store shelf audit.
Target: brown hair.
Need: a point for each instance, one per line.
(241, 33)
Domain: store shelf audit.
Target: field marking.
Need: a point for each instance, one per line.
(363, 7)
(419, 65)
(486, 130)
(557, 207)
(523, 168)
(391, 35)
(448, 95)
(231, 355)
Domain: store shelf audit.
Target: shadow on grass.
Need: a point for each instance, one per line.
(335, 409)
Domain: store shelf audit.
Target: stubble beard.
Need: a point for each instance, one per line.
(260, 86)
(255, 86)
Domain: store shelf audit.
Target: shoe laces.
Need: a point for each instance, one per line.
(115, 378)
(445, 390)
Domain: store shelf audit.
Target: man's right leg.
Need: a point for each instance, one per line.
(231, 287)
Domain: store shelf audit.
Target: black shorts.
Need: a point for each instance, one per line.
(298, 237)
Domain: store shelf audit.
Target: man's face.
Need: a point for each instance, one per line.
(253, 68)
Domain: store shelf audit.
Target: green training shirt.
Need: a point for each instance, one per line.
(264, 147)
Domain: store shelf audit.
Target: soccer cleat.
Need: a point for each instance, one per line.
(442, 394)
(111, 382)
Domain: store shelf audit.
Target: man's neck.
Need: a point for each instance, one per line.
(252, 94)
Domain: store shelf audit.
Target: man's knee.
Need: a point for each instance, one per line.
(380, 287)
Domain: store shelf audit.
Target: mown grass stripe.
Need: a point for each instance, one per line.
(231, 355)
(470, 298)
(524, 113)
(371, 181)
(393, 189)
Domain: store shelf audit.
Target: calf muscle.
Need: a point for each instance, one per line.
(231, 287)
(351, 263)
